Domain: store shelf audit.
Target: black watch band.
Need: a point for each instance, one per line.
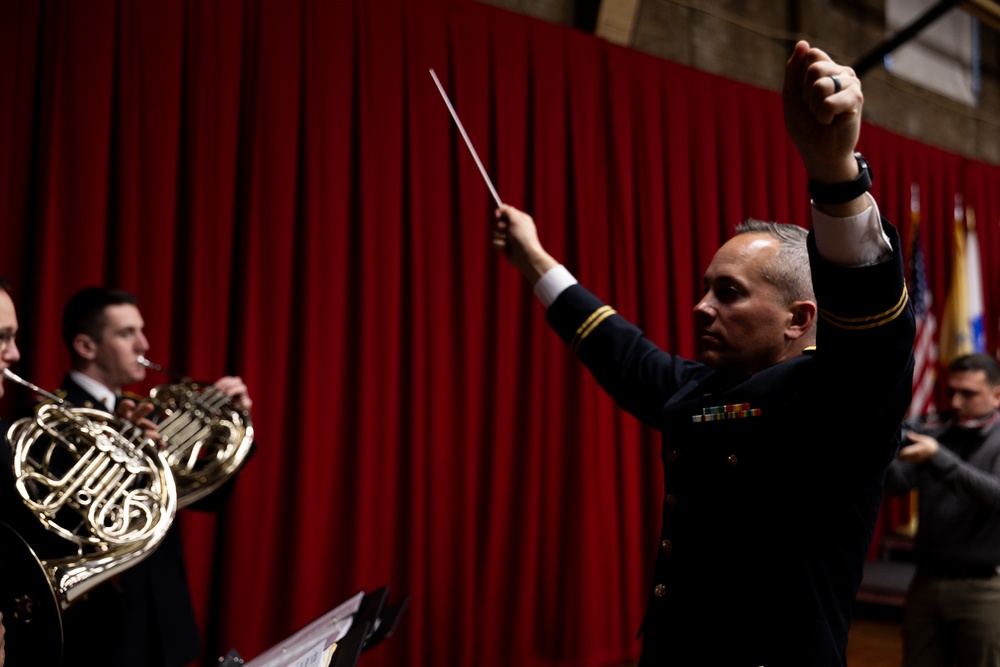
(841, 193)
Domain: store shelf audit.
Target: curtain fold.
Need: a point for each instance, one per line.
(283, 188)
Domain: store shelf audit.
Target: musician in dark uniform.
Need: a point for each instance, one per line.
(9, 355)
(85, 622)
(149, 606)
(12, 511)
(776, 440)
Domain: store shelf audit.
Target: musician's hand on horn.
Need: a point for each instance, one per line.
(236, 390)
(138, 415)
(516, 237)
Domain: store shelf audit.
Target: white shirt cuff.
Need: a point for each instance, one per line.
(552, 283)
(855, 241)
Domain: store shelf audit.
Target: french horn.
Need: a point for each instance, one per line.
(95, 481)
(207, 438)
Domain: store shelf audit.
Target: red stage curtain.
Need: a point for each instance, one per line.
(282, 186)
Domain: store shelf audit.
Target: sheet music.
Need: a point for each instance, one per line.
(313, 645)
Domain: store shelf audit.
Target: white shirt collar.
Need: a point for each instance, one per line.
(99, 391)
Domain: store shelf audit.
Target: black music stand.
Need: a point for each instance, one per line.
(371, 622)
(388, 620)
(350, 647)
(374, 623)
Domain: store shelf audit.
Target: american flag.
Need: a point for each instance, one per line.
(925, 349)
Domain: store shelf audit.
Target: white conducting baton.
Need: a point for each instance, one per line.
(468, 143)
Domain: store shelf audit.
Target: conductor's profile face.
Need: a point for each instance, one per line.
(741, 318)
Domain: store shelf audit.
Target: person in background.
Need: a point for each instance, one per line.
(952, 610)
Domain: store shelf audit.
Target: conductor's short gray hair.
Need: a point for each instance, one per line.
(789, 270)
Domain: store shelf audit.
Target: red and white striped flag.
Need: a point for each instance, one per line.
(925, 349)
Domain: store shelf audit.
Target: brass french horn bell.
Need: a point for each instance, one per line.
(207, 438)
(98, 483)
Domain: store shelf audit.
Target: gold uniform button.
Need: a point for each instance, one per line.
(666, 546)
(659, 590)
(671, 456)
(671, 500)
(732, 460)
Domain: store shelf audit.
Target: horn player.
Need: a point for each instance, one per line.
(9, 354)
(44, 543)
(150, 605)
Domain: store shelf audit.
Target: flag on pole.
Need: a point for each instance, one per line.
(974, 283)
(962, 328)
(925, 349)
(899, 513)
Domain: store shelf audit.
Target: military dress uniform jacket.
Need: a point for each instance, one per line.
(773, 480)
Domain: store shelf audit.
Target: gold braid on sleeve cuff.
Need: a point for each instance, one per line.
(870, 321)
(589, 324)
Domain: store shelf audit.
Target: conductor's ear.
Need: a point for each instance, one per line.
(802, 318)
